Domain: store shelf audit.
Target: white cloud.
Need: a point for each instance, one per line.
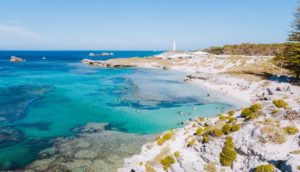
(15, 31)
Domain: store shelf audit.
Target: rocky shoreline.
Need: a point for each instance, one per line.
(263, 136)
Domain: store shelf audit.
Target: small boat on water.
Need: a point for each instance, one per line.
(101, 54)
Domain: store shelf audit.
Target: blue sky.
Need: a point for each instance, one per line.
(141, 24)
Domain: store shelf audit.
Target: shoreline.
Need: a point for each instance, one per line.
(189, 152)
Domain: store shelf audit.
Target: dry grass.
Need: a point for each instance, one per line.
(273, 134)
(210, 167)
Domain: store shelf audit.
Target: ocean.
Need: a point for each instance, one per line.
(45, 98)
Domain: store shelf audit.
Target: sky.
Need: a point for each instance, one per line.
(141, 24)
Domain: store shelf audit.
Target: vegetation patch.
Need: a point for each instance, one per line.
(273, 134)
(205, 138)
(167, 161)
(165, 137)
(280, 103)
(210, 167)
(252, 112)
(265, 168)
(290, 130)
(295, 152)
(235, 127)
(226, 129)
(228, 154)
(216, 132)
(177, 154)
(230, 113)
(199, 131)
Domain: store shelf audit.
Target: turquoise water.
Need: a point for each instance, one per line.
(44, 99)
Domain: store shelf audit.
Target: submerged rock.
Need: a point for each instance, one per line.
(93, 150)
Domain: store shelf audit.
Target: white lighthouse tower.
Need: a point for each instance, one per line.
(174, 45)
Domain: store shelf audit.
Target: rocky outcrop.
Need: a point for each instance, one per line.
(15, 59)
(264, 135)
(106, 64)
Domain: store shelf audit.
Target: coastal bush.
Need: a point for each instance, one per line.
(291, 130)
(231, 119)
(191, 142)
(177, 154)
(199, 131)
(246, 112)
(275, 111)
(265, 168)
(235, 127)
(256, 107)
(205, 138)
(252, 112)
(248, 49)
(280, 103)
(216, 132)
(226, 129)
(165, 137)
(228, 154)
(167, 162)
(201, 119)
(230, 113)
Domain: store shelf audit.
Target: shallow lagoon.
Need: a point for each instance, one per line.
(45, 99)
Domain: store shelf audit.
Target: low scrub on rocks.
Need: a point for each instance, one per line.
(228, 154)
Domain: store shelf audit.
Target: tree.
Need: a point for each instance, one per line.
(295, 35)
(290, 58)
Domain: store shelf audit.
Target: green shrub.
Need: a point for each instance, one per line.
(280, 103)
(228, 154)
(230, 113)
(201, 119)
(235, 127)
(176, 154)
(205, 138)
(246, 112)
(167, 162)
(231, 119)
(199, 131)
(291, 130)
(256, 107)
(191, 143)
(226, 129)
(223, 118)
(217, 132)
(165, 137)
(265, 168)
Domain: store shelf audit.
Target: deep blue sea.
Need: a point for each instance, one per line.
(42, 99)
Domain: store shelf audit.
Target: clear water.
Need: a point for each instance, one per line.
(44, 99)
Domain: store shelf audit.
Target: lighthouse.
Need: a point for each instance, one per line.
(174, 45)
